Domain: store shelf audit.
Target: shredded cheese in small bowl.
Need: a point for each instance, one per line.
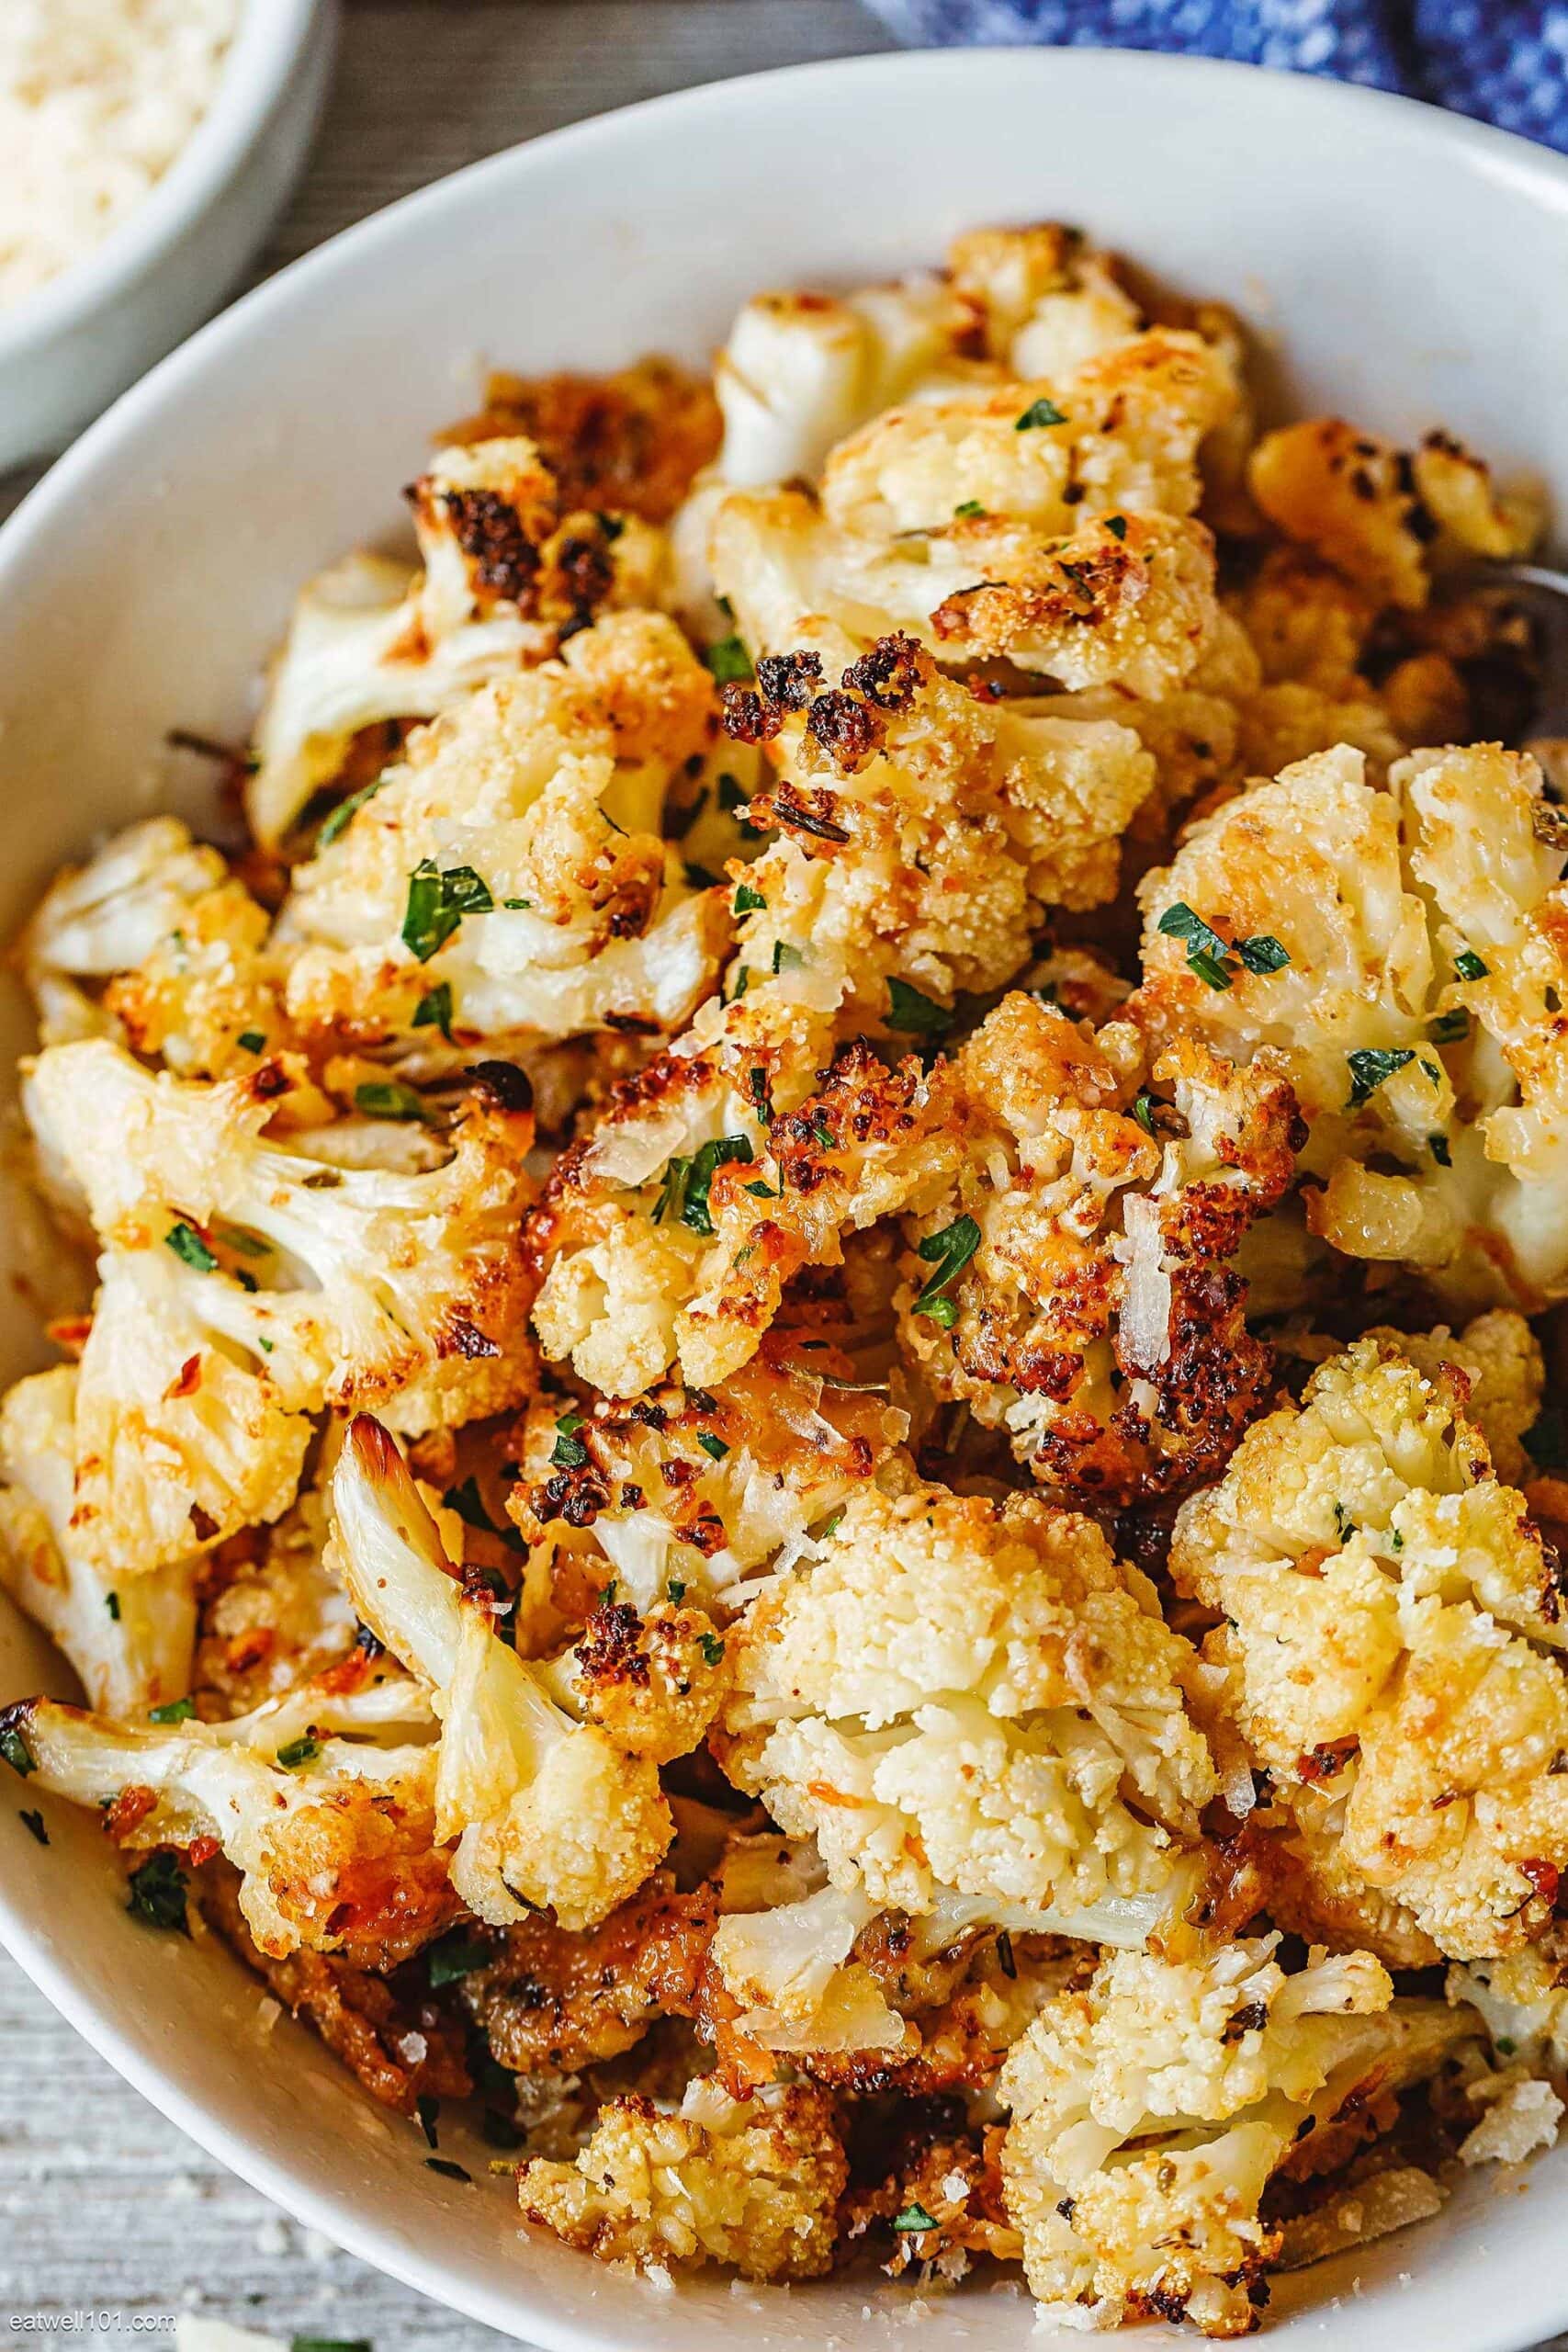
(98, 99)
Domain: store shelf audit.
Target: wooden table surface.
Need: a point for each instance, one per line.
(103, 2204)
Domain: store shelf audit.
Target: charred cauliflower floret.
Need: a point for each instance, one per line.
(696, 1493)
(129, 1636)
(1075, 1285)
(1151, 2107)
(334, 1836)
(1400, 951)
(1393, 1644)
(753, 2183)
(243, 1285)
(508, 574)
(925, 831)
(546, 1806)
(670, 1235)
(975, 1697)
(1373, 510)
(509, 871)
(1128, 600)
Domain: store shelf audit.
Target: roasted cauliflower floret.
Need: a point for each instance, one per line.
(1126, 600)
(695, 1494)
(1399, 952)
(1501, 1360)
(924, 831)
(547, 1809)
(129, 1636)
(334, 1836)
(753, 2183)
(107, 916)
(1372, 511)
(508, 574)
(1074, 1284)
(1393, 1642)
(244, 1286)
(971, 1696)
(670, 1235)
(509, 871)
(1151, 2107)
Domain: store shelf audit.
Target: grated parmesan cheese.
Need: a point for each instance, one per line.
(96, 100)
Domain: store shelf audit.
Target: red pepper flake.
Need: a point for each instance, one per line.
(187, 1379)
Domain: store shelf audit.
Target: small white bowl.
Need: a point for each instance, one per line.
(71, 347)
(1405, 266)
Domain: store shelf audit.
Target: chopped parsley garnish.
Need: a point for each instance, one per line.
(969, 511)
(748, 901)
(915, 2218)
(1438, 1148)
(831, 1526)
(908, 1008)
(1469, 965)
(1039, 413)
(1117, 525)
(111, 1602)
(448, 2170)
(1371, 1065)
(344, 815)
(253, 1040)
(516, 904)
(33, 1824)
(303, 1750)
(672, 1188)
(712, 1647)
(757, 1086)
(187, 1245)
(174, 1711)
(1546, 1440)
(16, 1753)
(733, 801)
(569, 1452)
(388, 1098)
(434, 1010)
(158, 1893)
(676, 1589)
(729, 662)
(711, 1444)
(437, 902)
(949, 1251)
(1450, 1028)
(1208, 954)
(456, 1956)
(1344, 1525)
(1142, 1111)
(742, 983)
(698, 1178)
(785, 957)
(760, 1192)
(824, 1133)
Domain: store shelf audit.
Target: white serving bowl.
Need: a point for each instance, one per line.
(72, 347)
(1407, 267)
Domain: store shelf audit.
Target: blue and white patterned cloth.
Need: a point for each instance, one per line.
(1505, 60)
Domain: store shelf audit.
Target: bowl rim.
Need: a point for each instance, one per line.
(264, 53)
(1537, 2306)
